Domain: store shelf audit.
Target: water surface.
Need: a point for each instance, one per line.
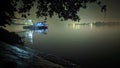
(87, 45)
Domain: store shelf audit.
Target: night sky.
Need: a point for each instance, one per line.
(92, 13)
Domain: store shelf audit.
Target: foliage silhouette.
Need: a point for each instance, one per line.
(64, 9)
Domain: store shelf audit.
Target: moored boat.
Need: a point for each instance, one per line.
(37, 26)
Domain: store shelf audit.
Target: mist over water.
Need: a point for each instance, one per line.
(84, 44)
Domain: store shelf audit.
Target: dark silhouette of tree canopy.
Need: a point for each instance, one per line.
(64, 9)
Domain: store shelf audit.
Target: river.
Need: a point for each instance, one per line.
(86, 45)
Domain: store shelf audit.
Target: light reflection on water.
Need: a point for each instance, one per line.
(78, 26)
(28, 35)
(91, 25)
(75, 26)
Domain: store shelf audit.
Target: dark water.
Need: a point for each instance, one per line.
(87, 45)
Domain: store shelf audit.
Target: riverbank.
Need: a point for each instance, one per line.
(17, 56)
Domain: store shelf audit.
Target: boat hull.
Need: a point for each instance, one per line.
(35, 27)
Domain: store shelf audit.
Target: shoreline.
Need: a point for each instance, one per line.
(17, 56)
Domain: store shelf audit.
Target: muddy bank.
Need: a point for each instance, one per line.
(16, 56)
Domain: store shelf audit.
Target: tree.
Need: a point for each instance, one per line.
(64, 9)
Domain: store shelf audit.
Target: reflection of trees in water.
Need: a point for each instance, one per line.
(98, 24)
(27, 36)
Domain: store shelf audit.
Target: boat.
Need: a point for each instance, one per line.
(37, 26)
